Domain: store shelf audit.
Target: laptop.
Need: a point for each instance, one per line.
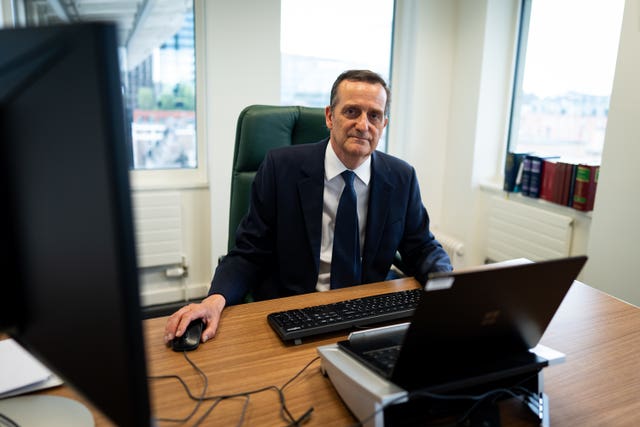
(471, 326)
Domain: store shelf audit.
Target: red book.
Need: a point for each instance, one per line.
(562, 187)
(566, 198)
(547, 187)
(584, 191)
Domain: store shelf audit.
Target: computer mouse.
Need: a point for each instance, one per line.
(190, 340)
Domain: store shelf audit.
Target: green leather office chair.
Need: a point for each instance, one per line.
(261, 128)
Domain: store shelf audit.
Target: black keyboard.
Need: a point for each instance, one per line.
(322, 319)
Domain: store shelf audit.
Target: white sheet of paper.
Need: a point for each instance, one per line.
(20, 371)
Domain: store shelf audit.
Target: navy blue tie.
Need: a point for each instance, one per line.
(345, 261)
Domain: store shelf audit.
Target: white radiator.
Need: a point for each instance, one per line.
(517, 230)
(158, 228)
(452, 245)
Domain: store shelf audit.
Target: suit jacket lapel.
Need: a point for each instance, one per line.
(310, 192)
(379, 204)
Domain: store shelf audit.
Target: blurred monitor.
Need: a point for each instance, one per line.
(68, 238)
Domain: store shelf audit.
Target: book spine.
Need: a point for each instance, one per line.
(572, 184)
(526, 175)
(584, 189)
(547, 187)
(535, 177)
(512, 172)
(558, 186)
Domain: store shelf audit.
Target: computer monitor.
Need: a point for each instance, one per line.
(70, 285)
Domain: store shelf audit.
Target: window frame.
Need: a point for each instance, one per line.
(518, 76)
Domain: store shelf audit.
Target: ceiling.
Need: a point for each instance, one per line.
(142, 24)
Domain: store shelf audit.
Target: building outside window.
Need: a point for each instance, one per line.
(320, 40)
(161, 103)
(157, 59)
(566, 62)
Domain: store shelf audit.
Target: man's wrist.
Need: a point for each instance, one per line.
(215, 301)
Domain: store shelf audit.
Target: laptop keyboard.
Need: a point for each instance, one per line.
(384, 357)
(322, 319)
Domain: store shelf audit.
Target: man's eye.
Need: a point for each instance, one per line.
(351, 112)
(375, 117)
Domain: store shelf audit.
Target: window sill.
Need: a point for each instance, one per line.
(494, 188)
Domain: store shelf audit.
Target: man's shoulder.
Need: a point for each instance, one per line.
(298, 149)
(386, 161)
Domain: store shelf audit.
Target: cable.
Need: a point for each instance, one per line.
(300, 372)
(6, 421)
(207, 412)
(478, 399)
(302, 419)
(184, 385)
(284, 411)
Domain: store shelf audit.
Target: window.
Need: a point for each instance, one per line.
(319, 40)
(157, 58)
(160, 97)
(566, 62)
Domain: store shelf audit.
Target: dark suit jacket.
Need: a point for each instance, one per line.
(277, 250)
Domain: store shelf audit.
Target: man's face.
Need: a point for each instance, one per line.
(357, 121)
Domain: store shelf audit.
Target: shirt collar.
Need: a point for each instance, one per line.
(334, 167)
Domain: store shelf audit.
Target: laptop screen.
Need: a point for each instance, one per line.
(480, 317)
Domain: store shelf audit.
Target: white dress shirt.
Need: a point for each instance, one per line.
(333, 186)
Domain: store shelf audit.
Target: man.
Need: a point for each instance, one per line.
(285, 244)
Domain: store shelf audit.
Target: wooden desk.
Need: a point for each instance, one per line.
(598, 385)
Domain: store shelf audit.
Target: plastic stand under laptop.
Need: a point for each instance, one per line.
(428, 388)
(372, 398)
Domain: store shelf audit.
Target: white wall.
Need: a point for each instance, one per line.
(421, 93)
(451, 74)
(615, 228)
(243, 68)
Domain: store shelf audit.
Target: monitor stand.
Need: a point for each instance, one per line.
(49, 411)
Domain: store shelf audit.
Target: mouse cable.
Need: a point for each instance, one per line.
(284, 410)
(285, 413)
(208, 411)
(186, 387)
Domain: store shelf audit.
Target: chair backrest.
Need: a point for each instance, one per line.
(261, 128)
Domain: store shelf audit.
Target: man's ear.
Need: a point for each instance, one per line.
(327, 117)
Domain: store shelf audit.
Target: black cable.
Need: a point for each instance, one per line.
(244, 411)
(300, 372)
(5, 420)
(495, 393)
(184, 385)
(305, 417)
(207, 412)
(525, 393)
(361, 423)
(302, 419)
(284, 411)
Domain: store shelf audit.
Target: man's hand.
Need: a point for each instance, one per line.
(209, 310)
